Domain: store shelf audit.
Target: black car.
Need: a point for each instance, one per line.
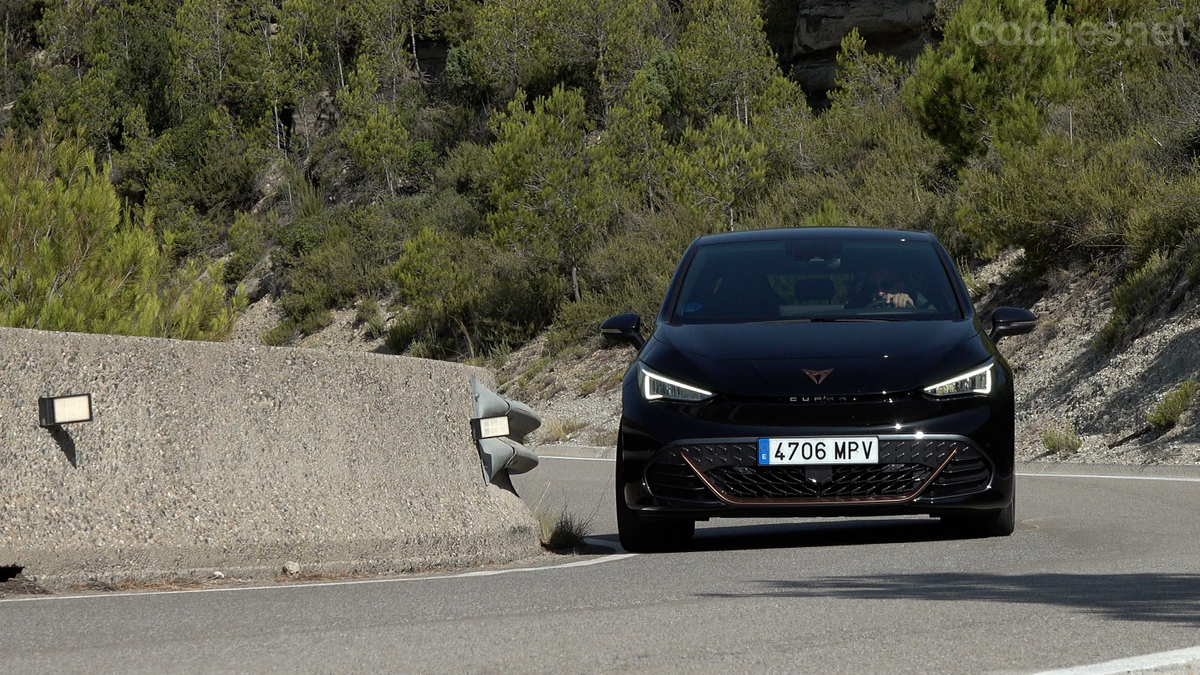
(815, 372)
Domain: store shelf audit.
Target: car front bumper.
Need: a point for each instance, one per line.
(937, 458)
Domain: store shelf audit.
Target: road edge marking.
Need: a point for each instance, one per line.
(351, 582)
(1132, 664)
(1169, 479)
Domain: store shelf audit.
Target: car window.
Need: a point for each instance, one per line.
(815, 280)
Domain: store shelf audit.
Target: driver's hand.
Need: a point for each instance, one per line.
(899, 300)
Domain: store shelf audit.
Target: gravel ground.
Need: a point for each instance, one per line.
(255, 321)
(1063, 384)
(342, 334)
(578, 394)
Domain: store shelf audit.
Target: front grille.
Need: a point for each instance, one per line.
(671, 477)
(967, 472)
(906, 467)
(751, 482)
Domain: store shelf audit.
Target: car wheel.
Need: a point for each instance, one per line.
(647, 536)
(995, 523)
(641, 536)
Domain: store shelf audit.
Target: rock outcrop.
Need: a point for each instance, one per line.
(805, 34)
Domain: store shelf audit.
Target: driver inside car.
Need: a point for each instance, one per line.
(882, 288)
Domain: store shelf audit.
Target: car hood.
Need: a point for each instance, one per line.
(770, 359)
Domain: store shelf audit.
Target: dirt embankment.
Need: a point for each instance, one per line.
(1065, 385)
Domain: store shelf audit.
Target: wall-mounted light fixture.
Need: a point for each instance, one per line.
(57, 410)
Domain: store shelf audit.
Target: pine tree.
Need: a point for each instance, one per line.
(375, 130)
(724, 59)
(630, 156)
(69, 261)
(508, 49)
(213, 52)
(608, 40)
(714, 171)
(971, 92)
(546, 200)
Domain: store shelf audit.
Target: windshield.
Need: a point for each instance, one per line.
(815, 280)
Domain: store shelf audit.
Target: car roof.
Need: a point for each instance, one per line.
(787, 233)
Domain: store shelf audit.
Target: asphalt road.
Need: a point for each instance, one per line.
(1100, 568)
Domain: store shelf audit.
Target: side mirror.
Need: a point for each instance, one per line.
(1008, 321)
(624, 328)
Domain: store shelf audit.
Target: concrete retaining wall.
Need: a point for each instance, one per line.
(208, 456)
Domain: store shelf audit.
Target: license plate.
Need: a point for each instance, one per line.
(840, 450)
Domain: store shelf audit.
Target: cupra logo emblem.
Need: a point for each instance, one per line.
(817, 376)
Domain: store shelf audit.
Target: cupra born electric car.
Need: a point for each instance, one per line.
(815, 372)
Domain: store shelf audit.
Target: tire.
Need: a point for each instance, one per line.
(647, 536)
(996, 523)
(657, 536)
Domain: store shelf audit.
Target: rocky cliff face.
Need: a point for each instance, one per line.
(806, 33)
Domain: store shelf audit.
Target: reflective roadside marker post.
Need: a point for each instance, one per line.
(499, 426)
(54, 411)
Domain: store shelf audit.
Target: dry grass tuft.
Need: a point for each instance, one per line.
(1062, 442)
(560, 429)
(565, 532)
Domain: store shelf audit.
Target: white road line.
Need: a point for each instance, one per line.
(353, 582)
(1134, 664)
(1169, 479)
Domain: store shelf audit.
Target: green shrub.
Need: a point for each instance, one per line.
(1062, 442)
(247, 243)
(400, 335)
(422, 350)
(314, 322)
(206, 163)
(283, 333)
(329, 258)
(628, 273)
(1166, 413)
(591, 383)
(365, 310)
(71, 261)
(1050, 197)
(377, 327)
(466, 295)
(1136, 298)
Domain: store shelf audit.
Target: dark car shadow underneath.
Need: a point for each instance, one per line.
(835, 532)
(810, 534)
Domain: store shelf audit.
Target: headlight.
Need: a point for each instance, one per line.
(978, 381)
(655, 387)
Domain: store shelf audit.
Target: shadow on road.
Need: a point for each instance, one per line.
(825, 533)
(1166, 598)
(739, 537)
